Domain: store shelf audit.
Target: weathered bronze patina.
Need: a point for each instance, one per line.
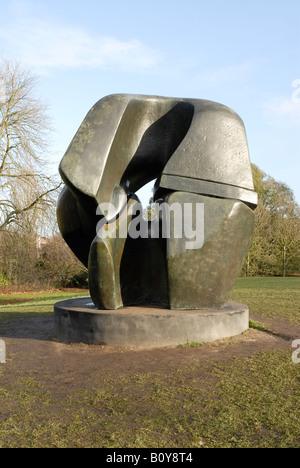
(197, 150)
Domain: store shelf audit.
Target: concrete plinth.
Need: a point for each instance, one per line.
(78, 321)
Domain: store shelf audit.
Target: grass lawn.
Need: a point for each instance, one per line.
(270, 297)
(243, 402)
(230, 401)
(13, 306)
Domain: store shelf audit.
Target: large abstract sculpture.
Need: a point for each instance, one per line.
(197, 151)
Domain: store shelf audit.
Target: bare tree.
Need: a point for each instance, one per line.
(59, 264)
(25, 184)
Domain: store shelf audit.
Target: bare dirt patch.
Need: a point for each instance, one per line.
(77, 395)
(33, 348)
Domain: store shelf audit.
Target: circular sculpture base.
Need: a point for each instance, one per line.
(78, 321)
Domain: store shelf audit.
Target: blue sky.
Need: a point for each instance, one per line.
(245, 55)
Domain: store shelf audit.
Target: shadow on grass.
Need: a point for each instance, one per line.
(38, 326)
(30, 319)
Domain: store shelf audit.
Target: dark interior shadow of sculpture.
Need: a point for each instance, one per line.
(157, 146)
(198, 152)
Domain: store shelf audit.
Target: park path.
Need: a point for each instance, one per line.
(33, 350)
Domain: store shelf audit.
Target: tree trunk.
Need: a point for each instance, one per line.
(248, 266)
(284, 262)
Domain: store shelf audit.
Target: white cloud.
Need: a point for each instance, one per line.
(283, 112)
(230, 73)
(45, 45)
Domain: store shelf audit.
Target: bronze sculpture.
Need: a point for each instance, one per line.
(197, 151)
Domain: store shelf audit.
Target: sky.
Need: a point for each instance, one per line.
(245, 55)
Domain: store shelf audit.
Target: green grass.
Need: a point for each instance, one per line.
(214, 344)
(267, 297)
(260, 326)
(34, 304)
(250, 401)
(270, 297)
(242, 402)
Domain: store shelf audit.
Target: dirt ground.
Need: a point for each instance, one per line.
(33, 349)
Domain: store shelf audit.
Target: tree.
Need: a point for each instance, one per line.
(261, 258)
(275, 246)
(19, 258)
(286, 234)
(60, 266)
(24, 131)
